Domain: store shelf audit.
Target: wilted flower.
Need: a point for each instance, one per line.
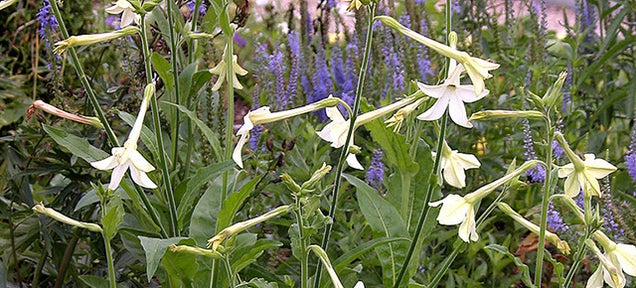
(48, 108)
(127, 11)
(127, 156)
(582, 175)
(453, 95)
(39, 208)
(83, 40)
(263, 115)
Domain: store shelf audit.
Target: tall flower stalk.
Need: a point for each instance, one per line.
(345, 151)
(163, 162)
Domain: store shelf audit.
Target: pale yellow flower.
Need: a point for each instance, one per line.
(453, 165)
(128, 15)
(221, 70)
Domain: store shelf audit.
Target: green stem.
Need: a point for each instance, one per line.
(82, 76)
(111, 265)
(165, 172)
(229, 125)
(345, 150)
(212, 274)
(446, 264)
(191, 51)
(545, 201)
(406, 189)
(578, 259)
(304, 264)
(427, 198)
(175, 75)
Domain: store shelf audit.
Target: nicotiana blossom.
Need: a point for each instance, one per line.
(453, 95)
(336, 131)
(461, 210)
(563, 246)
(39, 208)
(48, 108)
(476, 68)
(128, 15)
(582, 174)
(453, 165)
(221, 70)
(263, 115)
(622, 256)
(607, 271)
(83, 40)
(7, 3)
(127, 156)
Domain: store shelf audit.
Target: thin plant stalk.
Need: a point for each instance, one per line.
(82, 76)
(191, 51)
(427, 198)
(578, 259)
(304, 263)
(229, 124)
(405, 193)
(545, 201)
(111, 265)
(165, 172)
(172, 38)
(345, 150)
(436, 170)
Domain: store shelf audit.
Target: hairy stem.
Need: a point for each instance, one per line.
(545, 201)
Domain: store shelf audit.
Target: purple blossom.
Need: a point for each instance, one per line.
(539, 9)
(567, 97)
(276, 66)
(420, 2)
(557, 150)
(456, 7)
(423, 61)
(607, 209)
(375, 175)
(392, 62)
(294, 72)
(112, 21)
(202, 9)
(630, 157)
(323, 86)
(555, 222)
(337, 67)
(48, 22)
(536, 174)
(586, 19)
(239, 40)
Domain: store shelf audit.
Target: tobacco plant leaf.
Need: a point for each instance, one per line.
(180, 267)
(155, 248)
(76, 145)
(385, 221)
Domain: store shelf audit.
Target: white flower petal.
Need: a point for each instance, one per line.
(141, 178)
(596, 280)
(436, 111)
(117, 175)
(626, 255)
(433, 91)
(454, 174)
(457, 112)
(359, 285)
(566, 170)
(572, 187)
(127, 18)
(598, 168)
(467, 93)
(140, 162)
(467, 230)
(453, 211)
(468, 161)
(237, 154)
(353, 162)
(106, 164)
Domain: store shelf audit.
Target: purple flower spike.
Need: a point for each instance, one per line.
(48, 22)
(555, 222)
(375, 175)
(630, 157)
(536, 174)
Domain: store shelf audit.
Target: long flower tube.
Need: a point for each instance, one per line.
(89, 39)
(476, 68)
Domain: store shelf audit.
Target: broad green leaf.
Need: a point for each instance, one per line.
(199, 79)
(76, 145)
(207, 132)
(351, 255)
(181, 267)
(193, 186)
(155, 248)
(112, 218)
(250, 253)
(525, 272)
(385, 221)
(233, 202)
(185, 81)
(261, 283)
(95, 281)
(394, 146)
(163, 68)
(204, 217)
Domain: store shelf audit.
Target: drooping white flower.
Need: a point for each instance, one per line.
(127, 157)
(452, 95)
(221, 70)
(263, 115)
(453, 165)
(582, 175)
(621, 256)
(128, 15)
(461, 210)
(609, 270)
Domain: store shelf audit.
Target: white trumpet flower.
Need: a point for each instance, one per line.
(127, 157)
(453, 165)
(128, 15)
